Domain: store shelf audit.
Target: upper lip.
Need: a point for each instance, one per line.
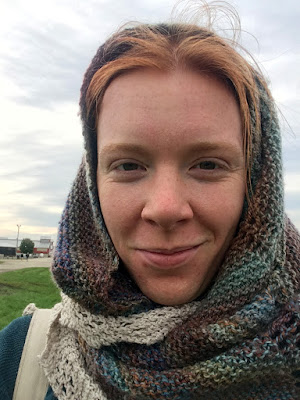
(170, 251)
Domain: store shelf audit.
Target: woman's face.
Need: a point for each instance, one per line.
(171, 178)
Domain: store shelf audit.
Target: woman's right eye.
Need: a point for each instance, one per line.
(129, 166)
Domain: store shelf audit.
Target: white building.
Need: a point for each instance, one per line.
(42, 247)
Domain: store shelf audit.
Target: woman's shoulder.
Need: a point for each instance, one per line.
(12, 339)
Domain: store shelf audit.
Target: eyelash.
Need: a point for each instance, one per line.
(216, 165)
(119, 167)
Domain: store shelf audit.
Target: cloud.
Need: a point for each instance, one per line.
(47, 57)
(49, 68)
(38, 167)
(292, 183)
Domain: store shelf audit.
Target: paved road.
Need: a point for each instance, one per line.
(14, 264)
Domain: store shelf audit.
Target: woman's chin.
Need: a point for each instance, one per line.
(172, 300)
(171, 296)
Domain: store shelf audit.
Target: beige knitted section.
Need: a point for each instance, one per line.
(63, 364)
(30, 309)
(145, 328)
(62, 360)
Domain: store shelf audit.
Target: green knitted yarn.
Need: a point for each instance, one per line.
(240, 340)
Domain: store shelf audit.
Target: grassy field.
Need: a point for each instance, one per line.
(24, 286)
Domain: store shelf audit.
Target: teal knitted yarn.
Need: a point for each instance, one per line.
(239, 340)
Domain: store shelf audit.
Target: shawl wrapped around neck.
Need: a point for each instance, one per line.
(238, 340)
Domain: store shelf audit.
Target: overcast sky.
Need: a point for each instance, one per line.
(45, 47)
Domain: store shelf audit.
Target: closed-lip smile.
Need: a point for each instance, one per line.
(168, 258)
(170, 251)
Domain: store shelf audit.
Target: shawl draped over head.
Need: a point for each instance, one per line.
(238, 340)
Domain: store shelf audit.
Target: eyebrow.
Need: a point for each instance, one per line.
(192, 148)
(123, 147)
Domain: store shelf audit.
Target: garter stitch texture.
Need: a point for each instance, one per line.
(239, 340)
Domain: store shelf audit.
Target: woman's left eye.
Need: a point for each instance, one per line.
(208, 165)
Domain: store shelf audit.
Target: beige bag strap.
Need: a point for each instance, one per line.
(31, 383)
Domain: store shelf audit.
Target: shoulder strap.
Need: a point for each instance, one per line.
(31, 382)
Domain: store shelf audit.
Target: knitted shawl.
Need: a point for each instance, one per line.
(238, 340)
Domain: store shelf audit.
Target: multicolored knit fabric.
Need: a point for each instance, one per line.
(239, 340)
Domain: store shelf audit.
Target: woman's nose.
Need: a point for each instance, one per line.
(167, 202)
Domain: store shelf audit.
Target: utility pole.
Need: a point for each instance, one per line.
(19, 226)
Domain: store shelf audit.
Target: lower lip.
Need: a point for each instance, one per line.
(166, 261)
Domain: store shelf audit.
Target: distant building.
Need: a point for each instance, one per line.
(42, 247)
(8, 246)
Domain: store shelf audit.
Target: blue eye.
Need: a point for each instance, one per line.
(128, 166)
(208, 165)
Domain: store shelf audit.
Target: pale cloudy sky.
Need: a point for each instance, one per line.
(45, 47)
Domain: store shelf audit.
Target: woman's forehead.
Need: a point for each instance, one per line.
(177, 106)
(151, 83)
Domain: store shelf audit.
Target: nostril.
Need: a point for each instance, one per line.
(167, 215)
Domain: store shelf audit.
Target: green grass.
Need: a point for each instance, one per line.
(24, 286)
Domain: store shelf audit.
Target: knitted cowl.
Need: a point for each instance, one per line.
(239, 340)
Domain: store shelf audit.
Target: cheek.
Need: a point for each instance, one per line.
(119, 209)
(222, 205)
